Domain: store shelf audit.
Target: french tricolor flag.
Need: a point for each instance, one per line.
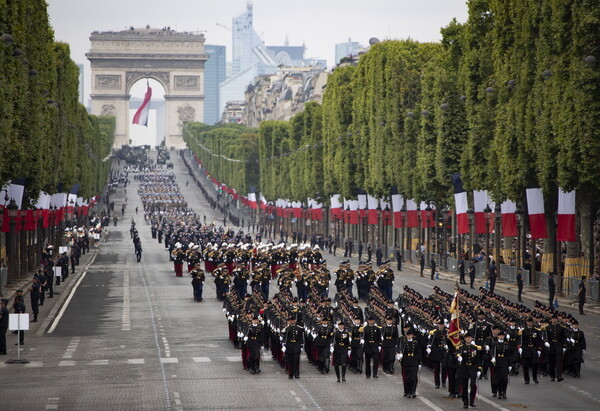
(362, 202)
(537, 216)
(411, 214)
(565, 228)
(397, 202)
(252, 200)
(460, 198)
(480, 200)
(509, 218)
(336, 207)
(372, 203)
(141, 115)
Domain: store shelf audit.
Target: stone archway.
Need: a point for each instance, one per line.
(176, 60)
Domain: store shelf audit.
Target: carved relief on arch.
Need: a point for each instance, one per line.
(160, 76)
(108, 110)
(187, 113)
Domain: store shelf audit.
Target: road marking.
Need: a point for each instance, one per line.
(582, 392)
(66, 363)
(201, 359)
(99, 362)
(66, 304)
(156, 343)
(177, 401)
(126, 321)
(35, 364)
(71, 348)
(310, 397)
(136, 361)
(52, 403)
(492, 403)
(234, 359)
(169, 360)
(429, 403)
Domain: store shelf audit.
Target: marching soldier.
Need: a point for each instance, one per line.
(481, 330)
(512, 336)
(556, 345)
(389, 345)
(577, 347)
(341, 349)
(356, 349)
(292, 339)
(197, 282)
(410, 356)
(469, 370)
(530, 349)
(371, 346)
(254, 343)
(501, 365)
(322, 341)
(437, 350)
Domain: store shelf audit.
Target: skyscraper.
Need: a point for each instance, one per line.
(214, 75)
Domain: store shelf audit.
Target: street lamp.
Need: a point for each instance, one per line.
(404, 230)
(497, 234)
(386, 222)
(487, 211)
(470, 214)
(428, 232)
(445, 239)
(13, 211)
(519, 215)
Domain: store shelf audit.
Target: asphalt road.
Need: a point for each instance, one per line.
(132, 338)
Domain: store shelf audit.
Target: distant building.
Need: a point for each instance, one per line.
(349, 48)
(214, 75)
(234, 112)
(251, 58)
(281, 95)
(81, 96)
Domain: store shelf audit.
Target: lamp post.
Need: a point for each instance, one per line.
(13, 210)
(519, 215)
(497, 234)
(487, 212)
(444, 248)
(403, 231)
(470, 214)
(386, 222)
(428, 233)
(419, 218)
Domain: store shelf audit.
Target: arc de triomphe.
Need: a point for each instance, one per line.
(176, 60)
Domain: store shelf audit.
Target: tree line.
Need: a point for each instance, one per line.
(509, 99)
(46, 136)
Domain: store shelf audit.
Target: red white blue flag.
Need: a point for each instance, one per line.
(141, 115)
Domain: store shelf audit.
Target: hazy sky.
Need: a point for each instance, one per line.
(319, 24)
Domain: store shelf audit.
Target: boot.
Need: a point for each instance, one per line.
(337, 372)
(344, 373)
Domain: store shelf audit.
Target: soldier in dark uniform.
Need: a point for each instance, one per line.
(254, 343)
(356, 346)
(481, 330)
(472, 273)
(293, 339)
(557, 345)
(322, 341)
(356, 311)
(582, 294)
(341, 350)
(468, 355)
(461, 270)
(372, 346)
(577, 347)
(409, 354)
(19, 308)
(529, 348)
(3, 325)
(198, 279)
(452, 368)
(501, 352)
(389, 334)
(520, 285)
(551, 290)
(437, 349)
(34, 293)
(512, 336)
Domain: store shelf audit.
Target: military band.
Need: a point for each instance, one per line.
(494, 334)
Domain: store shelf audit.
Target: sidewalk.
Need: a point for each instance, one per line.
(530, 293)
